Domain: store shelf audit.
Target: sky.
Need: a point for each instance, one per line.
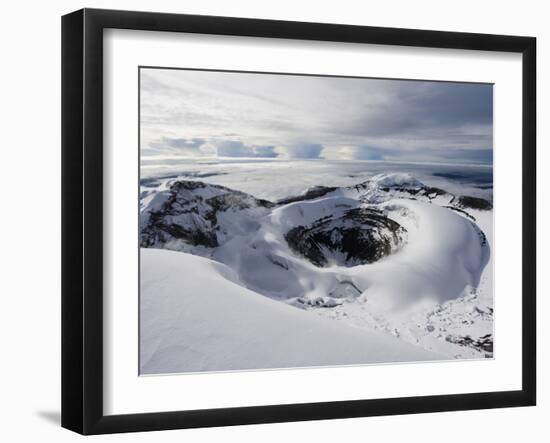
(196, 114)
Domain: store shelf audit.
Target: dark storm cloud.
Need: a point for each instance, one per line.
(427, 108)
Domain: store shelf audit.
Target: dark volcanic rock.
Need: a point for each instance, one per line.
(161, 229)
(310, 194)
(465, 202)
(190, 212)
(429, 192)
(482, 344)
(360, 236)
(432, 191)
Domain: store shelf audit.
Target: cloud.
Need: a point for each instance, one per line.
(369, 153)
(418, 154)
(204, 113)
(477, 156)
(197, 146)
(182, 143)
(179, 146)
(265, 151)
(425, 108)
(235, 148)
(305, 151)
(469, 155)
(232, 148)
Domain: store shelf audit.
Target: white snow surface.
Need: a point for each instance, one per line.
(194, 317)
(402, 180)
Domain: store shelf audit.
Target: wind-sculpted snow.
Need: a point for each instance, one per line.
(402, 181)
(194, 317)
(378, 255)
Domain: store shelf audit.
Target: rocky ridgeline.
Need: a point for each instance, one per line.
(190, 211)
(416, 190)
(204, 215)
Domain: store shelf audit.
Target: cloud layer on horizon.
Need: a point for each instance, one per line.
(221, 114)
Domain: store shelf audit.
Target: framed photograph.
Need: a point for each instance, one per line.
(268, 221)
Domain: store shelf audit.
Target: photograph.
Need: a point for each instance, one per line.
(295, 221)
(293, 218)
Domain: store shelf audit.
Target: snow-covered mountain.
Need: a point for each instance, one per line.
(198, 214)
(388, 254)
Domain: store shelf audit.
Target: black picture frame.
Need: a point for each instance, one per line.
(82, 218)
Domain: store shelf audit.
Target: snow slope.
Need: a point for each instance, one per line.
(194, 317)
